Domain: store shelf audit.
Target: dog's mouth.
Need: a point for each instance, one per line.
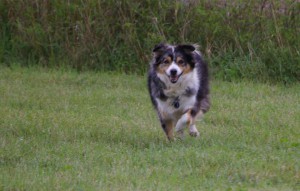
(174, 78)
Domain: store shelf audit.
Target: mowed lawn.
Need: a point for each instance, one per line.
(63, 130)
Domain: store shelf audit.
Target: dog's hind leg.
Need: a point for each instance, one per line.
(193, 130)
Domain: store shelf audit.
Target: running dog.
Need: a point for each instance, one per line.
(179, 88)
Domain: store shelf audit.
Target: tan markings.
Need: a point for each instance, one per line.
(191, 119)
(169, 130)
(164, 65)
(186, 68)
(180, 61)
(167, 60)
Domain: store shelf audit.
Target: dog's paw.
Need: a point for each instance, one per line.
(193, 131)
(194, 134)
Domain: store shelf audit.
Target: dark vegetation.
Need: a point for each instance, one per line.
(256, 40)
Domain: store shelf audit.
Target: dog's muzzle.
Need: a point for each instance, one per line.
(174, 76)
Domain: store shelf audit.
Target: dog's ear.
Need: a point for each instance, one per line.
(186, 47)
(188, 52)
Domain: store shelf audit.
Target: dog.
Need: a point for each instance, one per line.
(178, 85)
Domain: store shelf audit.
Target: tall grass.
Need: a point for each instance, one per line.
(241, 39)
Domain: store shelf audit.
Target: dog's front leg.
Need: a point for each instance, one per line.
(194, 131)
(182, 124)
(167, 126)
(186, 120)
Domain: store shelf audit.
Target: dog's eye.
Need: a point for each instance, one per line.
(180, 62)
(166, 62)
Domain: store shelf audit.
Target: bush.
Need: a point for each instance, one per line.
(240, 39)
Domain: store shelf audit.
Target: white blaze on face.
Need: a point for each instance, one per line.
(174, 67)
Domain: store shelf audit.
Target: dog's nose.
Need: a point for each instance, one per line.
(173, 72)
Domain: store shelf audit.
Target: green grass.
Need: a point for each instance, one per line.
(62, 130)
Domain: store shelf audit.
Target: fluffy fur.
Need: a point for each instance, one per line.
(178, 87)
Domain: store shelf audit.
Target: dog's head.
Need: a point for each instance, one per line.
(173, 62)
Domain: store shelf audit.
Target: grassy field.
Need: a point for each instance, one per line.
(62, 130)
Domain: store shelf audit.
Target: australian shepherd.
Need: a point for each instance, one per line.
(179, 88)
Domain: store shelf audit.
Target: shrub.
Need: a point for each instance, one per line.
(240, 39)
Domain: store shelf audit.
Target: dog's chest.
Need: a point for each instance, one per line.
(180, 98)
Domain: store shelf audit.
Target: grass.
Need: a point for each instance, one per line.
(63, 130)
